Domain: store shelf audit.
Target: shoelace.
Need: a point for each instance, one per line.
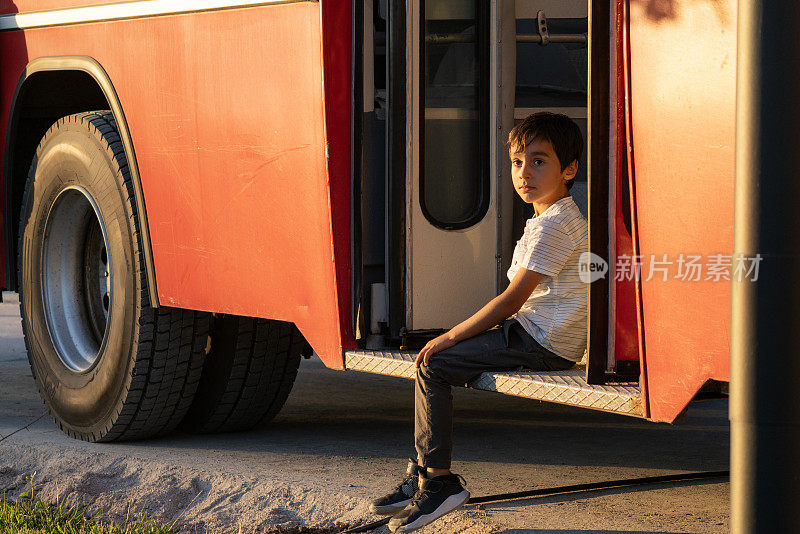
(407, 485)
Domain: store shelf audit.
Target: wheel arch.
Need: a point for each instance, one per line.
(48, 89)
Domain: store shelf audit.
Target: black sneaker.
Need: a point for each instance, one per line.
(436, 497)
(401, 496)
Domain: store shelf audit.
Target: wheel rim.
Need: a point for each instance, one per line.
(77, 279)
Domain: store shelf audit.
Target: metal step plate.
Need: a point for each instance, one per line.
(564, 387)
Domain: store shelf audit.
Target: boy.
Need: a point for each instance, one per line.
(542, 316)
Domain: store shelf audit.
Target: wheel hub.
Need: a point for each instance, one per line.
(77, 279)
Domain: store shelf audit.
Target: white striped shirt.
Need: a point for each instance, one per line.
(555, 314)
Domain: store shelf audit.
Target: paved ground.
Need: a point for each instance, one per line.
(343, 438)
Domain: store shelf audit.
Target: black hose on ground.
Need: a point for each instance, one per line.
(572, 488)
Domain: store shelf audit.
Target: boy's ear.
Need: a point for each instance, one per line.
(571, 170)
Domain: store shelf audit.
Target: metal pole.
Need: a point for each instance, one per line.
(765, 312)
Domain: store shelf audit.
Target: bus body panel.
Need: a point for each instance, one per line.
(337, 59)
(683, 70)
(234, 172)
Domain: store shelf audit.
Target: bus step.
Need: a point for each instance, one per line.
(564, 387)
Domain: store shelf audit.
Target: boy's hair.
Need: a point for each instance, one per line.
(558, 129)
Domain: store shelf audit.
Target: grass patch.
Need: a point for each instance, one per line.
(29, 515)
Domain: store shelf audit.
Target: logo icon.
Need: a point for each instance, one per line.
(591, 267)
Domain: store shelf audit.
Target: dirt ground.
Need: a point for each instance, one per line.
(343, 438)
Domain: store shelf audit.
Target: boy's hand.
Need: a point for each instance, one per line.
(432, 347)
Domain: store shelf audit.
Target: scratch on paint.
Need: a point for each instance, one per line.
(255, 173)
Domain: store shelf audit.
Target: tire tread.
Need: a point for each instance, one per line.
(169, 342)
(248, 374)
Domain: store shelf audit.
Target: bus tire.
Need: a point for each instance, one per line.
(247, 375)
(108, 366)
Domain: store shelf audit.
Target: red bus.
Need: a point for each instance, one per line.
(197, 194)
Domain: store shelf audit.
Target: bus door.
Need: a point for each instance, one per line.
(475, 69)
(452, 236)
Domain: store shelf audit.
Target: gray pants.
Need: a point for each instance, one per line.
(505, 347)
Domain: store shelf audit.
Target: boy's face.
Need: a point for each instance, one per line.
(537, 174)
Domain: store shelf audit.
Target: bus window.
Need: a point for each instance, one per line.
(454, 86)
